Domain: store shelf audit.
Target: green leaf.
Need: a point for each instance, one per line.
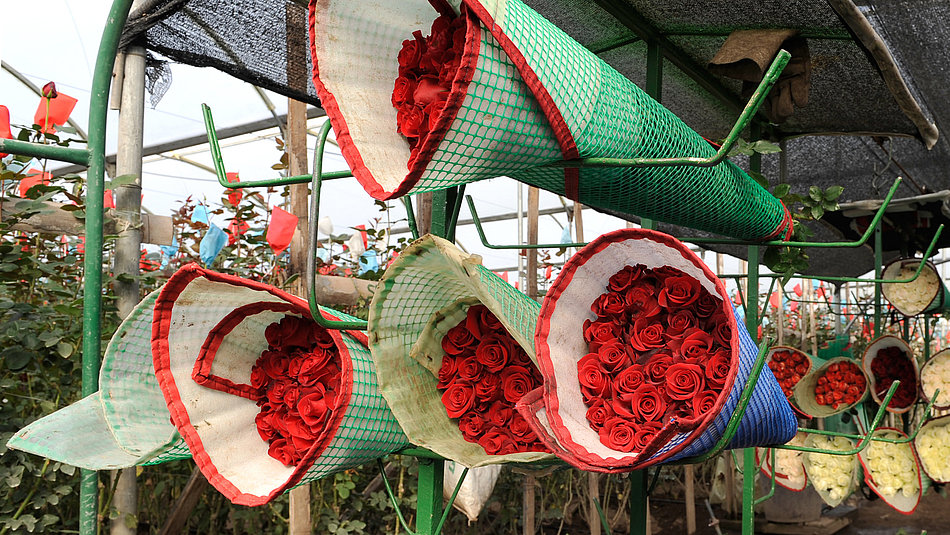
(765, 147)
(759, 179)
(817, 212)
(830, 206)
(833, 192)
(64, 349)
(815, 193)
(781, 190)
(792, 198)
(121, 180)
(16, 359)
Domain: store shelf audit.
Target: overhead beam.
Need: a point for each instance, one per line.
(633, 20)
(52, 219)
(185, 142)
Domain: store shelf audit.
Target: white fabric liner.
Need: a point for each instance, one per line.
(243, 345)
(566, 338)
(350, 42)
(224, 422)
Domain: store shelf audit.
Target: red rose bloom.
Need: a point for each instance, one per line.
(717, 368)
(264, 427)
(629, 380)
(429, 91)
(411, 52)
(598, 413)
(446, 372)
(314, 406)
(259, 378)
(656, 367)
(684, 381)
(275, 364)
(640, 302)
(679, 321)
(622, 279)
(497, 442)
(402, 91)
(276, 393)
(516, 382)
(600, 332)
(480, 321)
(411, 121)
(707, 304)
(298, 428)
(499, 414)
(617, 434)
(520, 429)
(457, 399)
(492, 352)
(647, 403)
(695, 344)
(315, 367)
(488, 388)
(678, 292)
(609, 304)
(283, 451)
(613, 356)
(472, 426)
(646, 334)
(458, 340)
(469, 369)
(721, 330)
(645, 434)
(592, 376)
(704, 402)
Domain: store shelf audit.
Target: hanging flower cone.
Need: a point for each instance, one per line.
(887, 359)
(934, 375)
(926, 293)
(644, 361)
(495, 89)
(892, 471)
(833, 476)
(453, 346)
(933, 447)
(789, 470)
(264, 397)
(125, 423)
(832, 388)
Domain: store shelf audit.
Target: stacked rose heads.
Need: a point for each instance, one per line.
(427, 66)
(841, 384)
(831, 475)
(788, 365)
(789, 469)
(298, 382)
(891, 470)
(484, 373)
(933, 447)
(935, 375)
(659, 349)
(887, 359)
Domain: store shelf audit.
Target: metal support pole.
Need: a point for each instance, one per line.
(878, 271)
(639, 515)
(429, 502)
(92, 260)
(128, 202)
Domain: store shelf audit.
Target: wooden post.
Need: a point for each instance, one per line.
(185, 503)
(578, 222)
(128, 245)
(531, 289)
(690, 499)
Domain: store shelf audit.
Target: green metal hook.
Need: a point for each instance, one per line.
(316, 183)
(761, 92)
(221, 173)
(395, 503)
(771, 493)
(864, 440)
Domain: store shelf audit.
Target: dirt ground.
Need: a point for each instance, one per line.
(872, 517)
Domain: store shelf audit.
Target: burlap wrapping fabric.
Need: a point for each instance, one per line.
(526, 95)
(557, 410)
(426, 291)
(125, 423)
(208, 333)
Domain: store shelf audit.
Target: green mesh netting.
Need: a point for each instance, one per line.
(426, 291)
(123, 424)
(501, 129)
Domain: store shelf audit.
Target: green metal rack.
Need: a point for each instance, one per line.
(446, 208)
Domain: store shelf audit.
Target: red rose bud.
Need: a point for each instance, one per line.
(613, 356)
(446, 372)
(472, 426)
(402, 91)
(718, 368)
(707, 304)
(640, 302)
(647, 403)
(516, 382)
(598, 413)
(679, 322)
(599, 332)
(657, 366)
(49, 90)
(622, 280)
(591, 374)
(314, 407)
(497, 442)
(629, 380)
(429, 91)
(469, 370)
(283, 451)
(411, 120)
(499, 414)
(488, 388)
(492, 352)
(646, 334)
(458, 340)
(703, 403)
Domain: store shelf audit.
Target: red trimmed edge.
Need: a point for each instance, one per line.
(202, 372)
(161, 325)
(559, 126)
(542, 350)
(784, 228)
(432, 141)
(870, 480)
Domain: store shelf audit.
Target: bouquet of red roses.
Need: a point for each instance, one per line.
(789, 366)
(484, 373)
(644, 362)
(887, 359)
(835, 386)
(263, 396)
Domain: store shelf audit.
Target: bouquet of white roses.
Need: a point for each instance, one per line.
(831, 475)
(891, 470)
(934, 375)
(789, 468)
(933, 448)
